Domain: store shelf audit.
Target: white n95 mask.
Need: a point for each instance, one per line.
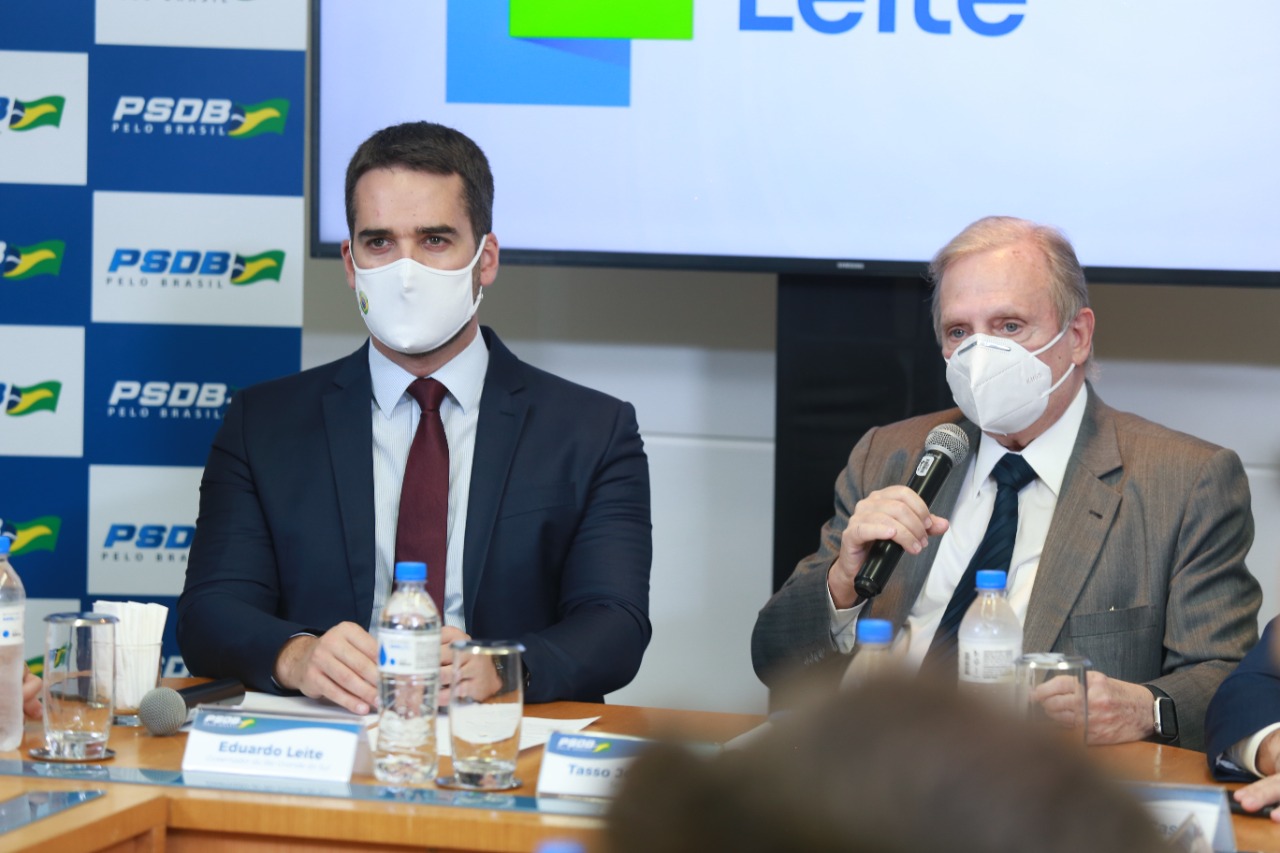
(999, 385)
(413, 308)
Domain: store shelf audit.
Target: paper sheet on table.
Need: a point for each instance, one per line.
(534, 731)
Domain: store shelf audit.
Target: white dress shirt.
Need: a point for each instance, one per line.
(1243, 755)
(395, 420)
(1048, 455)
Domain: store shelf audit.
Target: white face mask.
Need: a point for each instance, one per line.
(999, 385)
(414, 308)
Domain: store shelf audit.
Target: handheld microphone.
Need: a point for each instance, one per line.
(164, 710)
(945, 447)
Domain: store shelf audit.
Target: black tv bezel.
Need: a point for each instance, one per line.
(852, 267)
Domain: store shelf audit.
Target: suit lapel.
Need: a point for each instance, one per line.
(898, 598)
(503, 406)
(349, 430)
(1085, 511)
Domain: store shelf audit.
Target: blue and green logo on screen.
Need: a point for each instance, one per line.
(553, 52)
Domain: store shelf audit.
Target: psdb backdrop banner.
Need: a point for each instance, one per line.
(151, 248)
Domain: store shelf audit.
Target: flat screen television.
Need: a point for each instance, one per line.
(829, 135)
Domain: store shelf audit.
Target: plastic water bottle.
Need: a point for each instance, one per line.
(873, 657)
(409, 664)
(13, 600)
(990, 641)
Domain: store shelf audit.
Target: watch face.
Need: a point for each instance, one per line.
(1166, 718)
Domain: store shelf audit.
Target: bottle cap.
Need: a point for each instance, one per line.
(875, 631)
(5, 544)
(411, 572)
(992, 579)
(560, 845)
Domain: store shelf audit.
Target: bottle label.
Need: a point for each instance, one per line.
(992, 664)
(11, 625)
(408, 652)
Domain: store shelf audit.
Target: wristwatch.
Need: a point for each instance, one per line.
(1166, 715)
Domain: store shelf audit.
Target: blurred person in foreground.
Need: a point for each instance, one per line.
(1242, 725)
(1130, 537)
(530, 507)
(892, 767)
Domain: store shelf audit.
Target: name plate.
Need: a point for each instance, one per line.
(1185, 812)
(312, 748)
(586, 764)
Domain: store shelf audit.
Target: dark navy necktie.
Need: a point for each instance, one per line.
(995, 551)
(423, 526)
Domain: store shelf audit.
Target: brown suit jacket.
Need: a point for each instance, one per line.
(1142, 572)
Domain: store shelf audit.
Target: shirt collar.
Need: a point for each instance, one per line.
(462, 376)
(1048, 454)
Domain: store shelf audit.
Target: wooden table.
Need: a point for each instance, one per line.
(179, 819)
(143, 818)
(1148, 762)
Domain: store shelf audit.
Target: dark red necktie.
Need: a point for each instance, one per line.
(423, 526)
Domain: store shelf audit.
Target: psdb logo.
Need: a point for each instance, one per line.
(160, 543)
(22, 262)
(133, 398)
(19, 116)
(18, 401)
(188, 116)
(36, 534)
(177, 120)
(191, 268)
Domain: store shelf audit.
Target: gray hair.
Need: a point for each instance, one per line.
(1067, 286)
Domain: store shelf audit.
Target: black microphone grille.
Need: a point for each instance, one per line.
(948, 439)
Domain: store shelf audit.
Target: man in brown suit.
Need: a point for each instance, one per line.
(1131, 537)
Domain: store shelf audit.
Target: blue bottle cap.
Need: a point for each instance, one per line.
(5, 544)
(875, 631)
(992, 579)
(560, 845)
(411, 572)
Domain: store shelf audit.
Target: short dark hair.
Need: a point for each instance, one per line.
(424, 146)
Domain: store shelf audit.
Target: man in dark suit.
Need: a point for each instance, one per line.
(548, 535)
(1130, 537)
(1242, 726)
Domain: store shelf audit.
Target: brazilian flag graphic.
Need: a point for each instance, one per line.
(39, 534)
(28, 115)
(19, 262)
(254, 119)
(251, 268)
(35, 398)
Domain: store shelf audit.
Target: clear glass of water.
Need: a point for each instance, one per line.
(1052, 689)
(79, 682)
(486, 704)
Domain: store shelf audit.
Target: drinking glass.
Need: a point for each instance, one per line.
(79, 682)
(1053, 688)
(486, 703)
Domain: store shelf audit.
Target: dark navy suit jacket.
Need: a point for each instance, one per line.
(1246, 702)
(558, 539)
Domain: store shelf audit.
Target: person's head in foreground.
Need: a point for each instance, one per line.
(897, 767)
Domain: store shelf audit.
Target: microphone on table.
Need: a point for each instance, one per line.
(164, 710)
(945, 447)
